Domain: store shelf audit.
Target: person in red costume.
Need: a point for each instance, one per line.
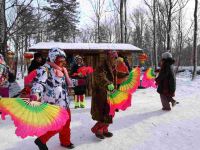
(51, 86)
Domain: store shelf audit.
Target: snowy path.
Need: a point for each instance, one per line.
(144, 126)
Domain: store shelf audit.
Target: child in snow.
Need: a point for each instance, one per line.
(166, 81)
(51, 86)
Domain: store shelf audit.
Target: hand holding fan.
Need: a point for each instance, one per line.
(33, 118)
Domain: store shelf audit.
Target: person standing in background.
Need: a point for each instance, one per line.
(36, 62)
(166, 81)
(80, 83)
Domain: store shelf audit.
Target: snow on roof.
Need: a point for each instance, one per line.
(84, 46)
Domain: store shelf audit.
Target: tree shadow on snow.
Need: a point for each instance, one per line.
(133, 119)
(81, 132)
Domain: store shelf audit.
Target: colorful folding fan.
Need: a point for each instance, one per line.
(118, 100)
(121, 98)
(33, 118)
(133, 81)
(84, 71)
(148, 79)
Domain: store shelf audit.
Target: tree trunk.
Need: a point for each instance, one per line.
(125, 21)
(122, 20)
(195, 41)
(169, 16)
(98, 21)
(154, 35)
(180, 40)
(2, 27)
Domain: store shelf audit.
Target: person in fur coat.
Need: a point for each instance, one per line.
(105, 80)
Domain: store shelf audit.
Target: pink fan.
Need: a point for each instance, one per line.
(148, 79)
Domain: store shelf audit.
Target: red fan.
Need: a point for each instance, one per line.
(84, 71)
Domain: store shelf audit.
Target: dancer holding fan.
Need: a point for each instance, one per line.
(51, 86)
(105, 83)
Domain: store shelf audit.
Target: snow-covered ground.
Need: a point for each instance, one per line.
(144, 126)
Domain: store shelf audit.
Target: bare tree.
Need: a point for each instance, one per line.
(98, 7)
(180, 35)
(125, 22)
(122, 20)
(138, 19)
(153, 12)
(167, 9)
(2, 27)
(195, 40)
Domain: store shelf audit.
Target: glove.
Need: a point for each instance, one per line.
(34, 97)
(111, 87)
(80, 74)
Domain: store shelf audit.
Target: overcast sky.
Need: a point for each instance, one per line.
(86, 11)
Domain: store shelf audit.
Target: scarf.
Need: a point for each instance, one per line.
(60, 72)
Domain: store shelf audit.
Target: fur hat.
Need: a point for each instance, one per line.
(78, 57)
(55, 52)
(166, 55)
(111, 53)
(36, 55)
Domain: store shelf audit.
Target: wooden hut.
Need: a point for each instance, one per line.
(92, 53)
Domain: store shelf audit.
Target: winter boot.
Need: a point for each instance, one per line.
(82, 105)
(82, 101)
(107, 134)
(166, 109)
(174, 103)
(40, 145)
(70, 146)
(76, 101)
(100, 136)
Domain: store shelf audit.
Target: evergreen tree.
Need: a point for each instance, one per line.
(63, 16)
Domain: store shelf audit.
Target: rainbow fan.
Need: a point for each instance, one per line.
(132, 83)
(118, 100)
(148, 79)
(33, 118)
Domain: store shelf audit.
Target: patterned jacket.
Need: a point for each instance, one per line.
(51, 88)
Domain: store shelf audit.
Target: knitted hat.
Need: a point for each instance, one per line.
(54, 52)
(166, 55)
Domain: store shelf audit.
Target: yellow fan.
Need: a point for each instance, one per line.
(33, 118)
